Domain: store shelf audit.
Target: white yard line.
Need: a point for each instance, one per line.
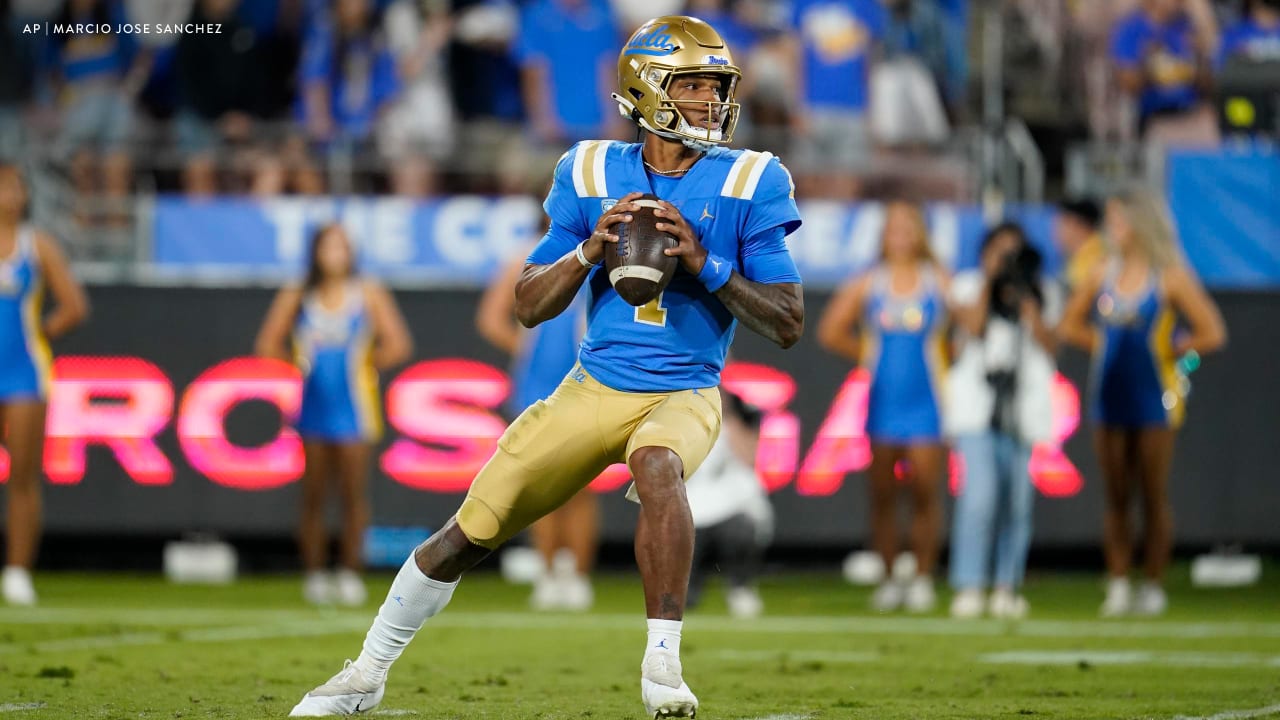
(218, 625)
(202, 635)
(1131, 657)
(1236, 714)
(831, 656)
(14, 707)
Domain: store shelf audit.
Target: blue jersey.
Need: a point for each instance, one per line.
(25, 359)
(547, 353)
(339, 383)
(1135, 382)
(1167, 52)
(742, 206)
(903, 341)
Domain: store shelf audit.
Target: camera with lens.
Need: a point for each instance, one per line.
(1018, 278)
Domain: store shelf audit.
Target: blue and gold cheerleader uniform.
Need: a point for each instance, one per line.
(25, 359)
(339, 383)
(547, 353)
(1135, 381)
(902, 347)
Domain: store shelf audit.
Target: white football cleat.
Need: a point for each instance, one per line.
(662, 689)
(346, 693)
(18, 589)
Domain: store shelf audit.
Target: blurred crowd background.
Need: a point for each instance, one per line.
(954, 100)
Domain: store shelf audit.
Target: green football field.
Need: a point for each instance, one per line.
(112, 646)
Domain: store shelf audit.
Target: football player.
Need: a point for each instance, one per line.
(644, 388)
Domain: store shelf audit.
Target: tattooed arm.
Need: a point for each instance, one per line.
(774, 311)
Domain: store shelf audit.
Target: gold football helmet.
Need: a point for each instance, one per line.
(662, 50)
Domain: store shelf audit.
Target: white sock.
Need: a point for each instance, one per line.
(664, 635)
(413, 598)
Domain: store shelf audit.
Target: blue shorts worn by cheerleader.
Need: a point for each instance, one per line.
(340, 384)
(902, 345)
(25, 359)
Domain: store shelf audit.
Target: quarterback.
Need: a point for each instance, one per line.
(644, 388)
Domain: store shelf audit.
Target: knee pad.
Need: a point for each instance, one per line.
(480, 523)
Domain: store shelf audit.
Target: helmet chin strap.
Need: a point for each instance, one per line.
(628, 110)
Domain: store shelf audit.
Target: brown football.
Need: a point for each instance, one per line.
(638, 268)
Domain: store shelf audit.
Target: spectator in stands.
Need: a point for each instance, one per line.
(567, 52)
(631, 14)
(417, 134)
(736, 24)
(277, 26)
(837, 43)
(97, 78)
(221, 92)
(763, 50)
(1162, 54)
(158, 99)
(1076, 232)
(485, 82)
(891, 320)
(955, 26)
(15, 82)
(1256, 36)
(731, 512)
(999, 404)
(916, 29)
(348, 79)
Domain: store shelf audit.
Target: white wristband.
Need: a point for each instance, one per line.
(582, 258)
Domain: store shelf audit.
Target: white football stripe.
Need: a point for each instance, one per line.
(647, 203)
(602, 151)
(757, 170)
(735, 171)
(640, 271)
(580, 177)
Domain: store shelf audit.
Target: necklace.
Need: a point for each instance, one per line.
(669, 173)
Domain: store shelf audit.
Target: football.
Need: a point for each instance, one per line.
(638, 268)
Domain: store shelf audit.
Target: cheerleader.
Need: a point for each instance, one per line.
(343, 330)
(891, 321)
(1126, 315)
(30, 262)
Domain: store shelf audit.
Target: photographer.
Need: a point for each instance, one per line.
(998, 406)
